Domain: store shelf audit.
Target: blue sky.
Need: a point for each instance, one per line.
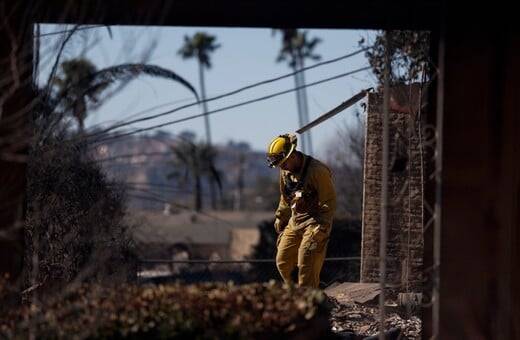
(247, 56)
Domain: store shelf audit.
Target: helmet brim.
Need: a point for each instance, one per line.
(274, 162)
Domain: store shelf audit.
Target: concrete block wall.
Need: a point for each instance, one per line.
(405, 198)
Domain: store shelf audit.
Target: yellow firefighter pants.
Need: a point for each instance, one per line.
(305, 249)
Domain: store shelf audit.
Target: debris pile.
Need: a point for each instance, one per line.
(355, 313)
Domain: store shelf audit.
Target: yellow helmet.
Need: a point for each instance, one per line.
(280, 149)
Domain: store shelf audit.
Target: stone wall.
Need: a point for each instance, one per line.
(405, 197)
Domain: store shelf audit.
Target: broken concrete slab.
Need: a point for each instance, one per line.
(353, 291)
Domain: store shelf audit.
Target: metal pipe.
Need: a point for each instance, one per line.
(384, 189)
(334, 111)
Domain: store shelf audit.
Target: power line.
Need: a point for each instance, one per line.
(137, 114)
(115, 126)
(130, 155)
(184, 207)
(163, 187)
(231, 106)
(80, 28)
(158, 194)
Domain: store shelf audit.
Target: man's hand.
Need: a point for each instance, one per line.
(278, 225)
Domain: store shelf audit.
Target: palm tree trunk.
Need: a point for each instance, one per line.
(239, 189)
(204, 103)
(198, 194)
(208, 131)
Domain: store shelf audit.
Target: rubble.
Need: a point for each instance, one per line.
(359, 320)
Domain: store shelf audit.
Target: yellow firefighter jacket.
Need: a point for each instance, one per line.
(307, 197)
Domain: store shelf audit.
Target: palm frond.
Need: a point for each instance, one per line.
(113, 73)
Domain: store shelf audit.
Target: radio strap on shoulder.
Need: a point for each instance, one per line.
(289, 186)
(305, 167)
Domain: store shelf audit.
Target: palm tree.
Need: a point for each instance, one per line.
(81, 84)
(295, 49)
(200, 45)
(73, 88)
(195, 161)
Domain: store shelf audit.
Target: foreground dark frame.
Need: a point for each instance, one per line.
(476, 50)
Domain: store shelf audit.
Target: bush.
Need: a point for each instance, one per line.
(175, 311)
(74, 227)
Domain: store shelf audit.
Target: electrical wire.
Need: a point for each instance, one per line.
(227, 94)
(230, 106)
(82, 28)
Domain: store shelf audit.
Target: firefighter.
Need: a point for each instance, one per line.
(303, 219)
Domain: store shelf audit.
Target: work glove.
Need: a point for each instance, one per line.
(278, 226)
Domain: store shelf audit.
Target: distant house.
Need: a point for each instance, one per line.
(221, 235)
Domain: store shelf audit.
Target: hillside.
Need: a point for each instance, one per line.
(142, 164)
